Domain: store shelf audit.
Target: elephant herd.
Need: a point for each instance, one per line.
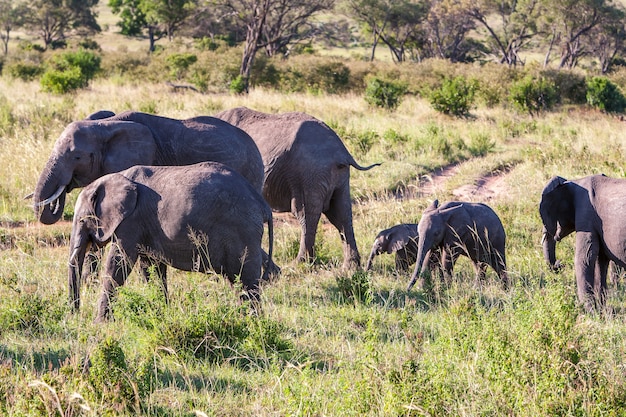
(196, 194)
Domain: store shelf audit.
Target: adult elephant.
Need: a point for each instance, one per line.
(307, 173)
(105, 143)
(595, 208)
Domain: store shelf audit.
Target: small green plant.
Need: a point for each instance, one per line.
(454, 97)
(109, 374)
(238, 85)
(533, 95)
(604, 95)
(384, 94)
(356, 288)
(480, 144)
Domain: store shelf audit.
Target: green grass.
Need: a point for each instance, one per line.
(327, 342)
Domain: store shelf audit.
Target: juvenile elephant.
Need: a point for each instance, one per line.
(105, 143)
(204, 217)
(460, 228)
(307, 173)
(595, 208)
(400, 239)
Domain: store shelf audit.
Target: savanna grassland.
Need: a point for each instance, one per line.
(329, 342)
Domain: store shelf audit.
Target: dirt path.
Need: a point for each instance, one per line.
(484, 188)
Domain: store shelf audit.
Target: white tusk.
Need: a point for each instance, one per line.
(49, 200)
(73, 257)
(29, 196)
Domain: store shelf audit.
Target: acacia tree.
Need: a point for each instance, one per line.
(288, 22)
(447, 26)
(11, 17)
(268, 23)
(514, 28)
(54, 20)
(607, 39)
(396, 23)
(157, 18)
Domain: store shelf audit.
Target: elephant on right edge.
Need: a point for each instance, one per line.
(307, 173)
(595, 208)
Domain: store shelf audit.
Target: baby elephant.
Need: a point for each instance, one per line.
(203, 217)
(400, 239)
(459, 228)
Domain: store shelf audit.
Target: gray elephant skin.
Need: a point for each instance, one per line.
(595, 208)
(204, 217)
(461, 228)
(307, 173)
(105, 143)
(400, 239)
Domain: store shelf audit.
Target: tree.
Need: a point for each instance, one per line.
(288, 21)
(159, 18)
(447, 26)
(269, 24)
(514, 27)
(395, 23)
(54, 20)
(569, 22)
(11, 17)
(607, 39)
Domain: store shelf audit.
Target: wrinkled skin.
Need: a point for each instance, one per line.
(461, 228)
(204, 217)
(307, 173)
(105, 143)
(595, 208)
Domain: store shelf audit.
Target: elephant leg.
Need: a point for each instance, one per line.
(309, 218)
(340, 215)
(599, 288)
(117, 267)
(585, 266)
(402, 262)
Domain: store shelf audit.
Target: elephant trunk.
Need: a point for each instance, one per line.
(375, 251)
(423, 253)
(79, 245)
(549, 251)
(49, 195)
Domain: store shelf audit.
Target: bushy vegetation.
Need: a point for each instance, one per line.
(604, 95)
(455, 96)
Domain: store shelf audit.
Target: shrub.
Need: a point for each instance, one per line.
(533, 94)
(180, 63)
(238, 85)
(454, 97)
(385, 94)
(25, 71)
(70, 71)
(356, 288)
(604, 95)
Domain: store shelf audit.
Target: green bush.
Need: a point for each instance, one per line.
(385, 94)
(534, 94)
(70, 71)
(238, 85)
(179, 64)
(24, 70)
(454, 97)
(604, 95)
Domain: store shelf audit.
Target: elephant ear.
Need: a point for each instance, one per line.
(114, 200)
(125, 144)
(555, 182)
(433, 206)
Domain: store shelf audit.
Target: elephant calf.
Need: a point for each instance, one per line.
(203, 217)
(400, 239)
(461, 228)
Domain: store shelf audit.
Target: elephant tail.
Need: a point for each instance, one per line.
(356, 165)
(270, 267)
